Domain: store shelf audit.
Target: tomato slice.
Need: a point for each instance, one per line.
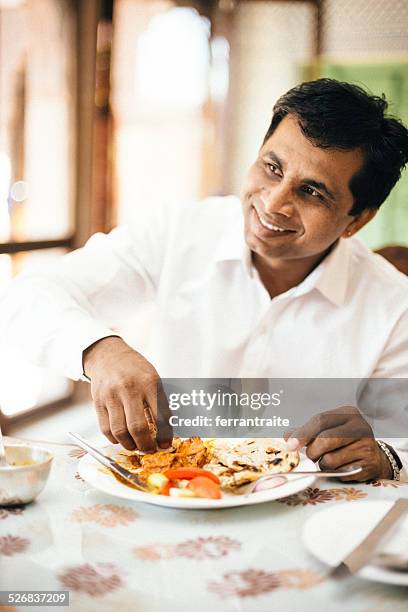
(187, 473)
(204, 487)
(165, 490)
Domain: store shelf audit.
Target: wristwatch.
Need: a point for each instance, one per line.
(392, 456)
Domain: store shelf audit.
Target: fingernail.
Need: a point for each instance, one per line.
(292, 444)
(164, 444)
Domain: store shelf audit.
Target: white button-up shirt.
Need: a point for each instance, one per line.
(211, 316)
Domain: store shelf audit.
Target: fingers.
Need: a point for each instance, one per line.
(360, 453)
(331, 439)
(159, 406)
(304, 435)
(335, 459)
(127, 425)
(118, 424)
(288, 434)
(104, 424)
(137, 425)
(365, 453)
(122, 419)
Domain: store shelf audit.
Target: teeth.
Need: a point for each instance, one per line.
(270, 226)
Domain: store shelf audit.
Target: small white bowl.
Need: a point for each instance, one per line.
(25, 476)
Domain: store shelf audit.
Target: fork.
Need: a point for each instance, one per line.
(302, 474)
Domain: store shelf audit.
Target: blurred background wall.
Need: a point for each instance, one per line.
(108, 107)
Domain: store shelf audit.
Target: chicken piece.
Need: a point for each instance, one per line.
(191, 453)
(157, 462)
(186, 453)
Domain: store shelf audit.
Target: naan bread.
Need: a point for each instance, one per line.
(238, 463)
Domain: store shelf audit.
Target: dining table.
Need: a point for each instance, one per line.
(116, 555)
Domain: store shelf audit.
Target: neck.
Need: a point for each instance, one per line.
(279, 275)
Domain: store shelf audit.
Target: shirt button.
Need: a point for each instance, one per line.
(263, 330)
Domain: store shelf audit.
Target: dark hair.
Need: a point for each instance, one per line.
(336, 115)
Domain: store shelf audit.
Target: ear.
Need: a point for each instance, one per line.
(359, 221)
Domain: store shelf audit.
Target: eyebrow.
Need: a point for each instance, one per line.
(310, 181)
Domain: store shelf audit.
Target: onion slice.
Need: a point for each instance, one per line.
(271, 483)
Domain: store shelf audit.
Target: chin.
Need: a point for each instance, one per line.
(275, 254)
(258, 246)
(266, 253)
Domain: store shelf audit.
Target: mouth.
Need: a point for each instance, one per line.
(267, 229)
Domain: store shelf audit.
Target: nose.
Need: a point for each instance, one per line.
(277, 199)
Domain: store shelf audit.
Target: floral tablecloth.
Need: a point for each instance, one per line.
(114, 555)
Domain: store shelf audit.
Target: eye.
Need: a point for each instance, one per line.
(312, 192)
(273, 168)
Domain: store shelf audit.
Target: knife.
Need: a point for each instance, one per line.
(132, 479)
(362, 553)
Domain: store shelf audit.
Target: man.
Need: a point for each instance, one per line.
(299, 297)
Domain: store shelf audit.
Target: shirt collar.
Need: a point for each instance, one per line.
(332, 281)
(330, 277)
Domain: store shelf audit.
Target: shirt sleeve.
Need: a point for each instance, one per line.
(51, 316)
(389, 384)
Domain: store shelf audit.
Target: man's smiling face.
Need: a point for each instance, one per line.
(296, 197)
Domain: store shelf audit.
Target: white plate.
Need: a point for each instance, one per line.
(93, 473)
(334, 532)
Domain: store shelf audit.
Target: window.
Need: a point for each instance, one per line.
(37, 146)
(169, 88)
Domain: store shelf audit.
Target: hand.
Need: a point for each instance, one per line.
(123, 382)
(342, 439)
